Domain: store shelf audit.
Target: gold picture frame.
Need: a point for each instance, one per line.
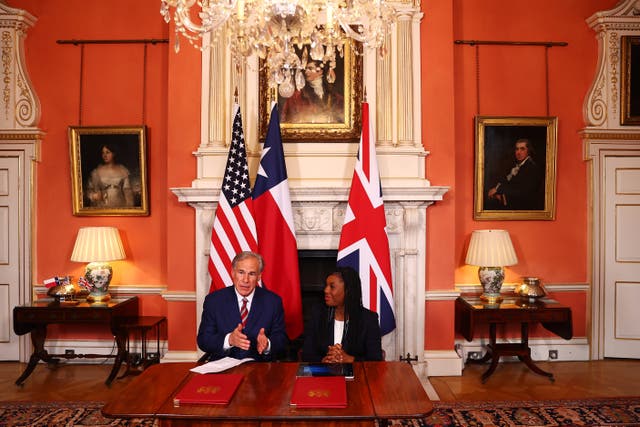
(305, 119)
(509, 185)
(108, 170)
(630, 81)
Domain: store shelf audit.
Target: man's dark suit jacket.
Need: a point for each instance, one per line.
(362, 339)
(525, 191)
(221, 315)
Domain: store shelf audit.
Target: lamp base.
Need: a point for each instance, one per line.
(98, 275)
(491, 279)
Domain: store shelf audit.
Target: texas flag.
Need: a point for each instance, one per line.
(274, 225)
(364, 244)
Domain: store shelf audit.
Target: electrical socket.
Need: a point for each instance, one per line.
(135, 359)
(69, 352)
(474, 355)
(553, 354)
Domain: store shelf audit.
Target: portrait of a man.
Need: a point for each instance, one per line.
(515, 168)
(520, 185)
(320, 100)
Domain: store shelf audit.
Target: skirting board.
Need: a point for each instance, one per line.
(451, 363)
(102, 347)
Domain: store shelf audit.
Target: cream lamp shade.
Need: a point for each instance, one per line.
(491, 250)
(98, 246)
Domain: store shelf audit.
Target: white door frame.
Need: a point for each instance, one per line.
(25, 147)
(598, 145)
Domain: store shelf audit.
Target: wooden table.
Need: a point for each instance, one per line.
(379, 391)
(35, 317)
(471, 311)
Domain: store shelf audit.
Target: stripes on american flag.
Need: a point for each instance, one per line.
(234, 228)
(364, 244)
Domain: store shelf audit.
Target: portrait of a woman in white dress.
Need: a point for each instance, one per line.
(109, 184)
(108, 169)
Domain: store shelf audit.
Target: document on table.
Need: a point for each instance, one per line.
(219, 365)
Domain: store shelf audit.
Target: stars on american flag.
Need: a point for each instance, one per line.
(236, 186)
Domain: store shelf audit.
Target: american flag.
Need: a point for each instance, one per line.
(234, 228)
(364, 244)
(276, 232)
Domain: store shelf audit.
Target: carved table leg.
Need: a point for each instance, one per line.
(526, 356)
(121, 341)
(38, 336)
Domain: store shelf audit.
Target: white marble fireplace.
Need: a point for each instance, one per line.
(320, 172)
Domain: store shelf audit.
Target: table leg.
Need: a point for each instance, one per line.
(492, 352)
(121, 342)
(38, 337)
(526, 356)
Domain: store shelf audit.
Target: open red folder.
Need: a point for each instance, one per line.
(208, 389)
(319, 392)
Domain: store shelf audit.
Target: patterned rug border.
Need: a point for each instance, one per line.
(598, 411)
(484, 404)
(18, 413)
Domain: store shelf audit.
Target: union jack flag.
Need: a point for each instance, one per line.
(364, 244)
(234, 228)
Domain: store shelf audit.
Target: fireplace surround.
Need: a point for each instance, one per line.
(320, 172)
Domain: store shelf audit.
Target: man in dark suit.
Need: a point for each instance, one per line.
(243, 320)
(521, 188)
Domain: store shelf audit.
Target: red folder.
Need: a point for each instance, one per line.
(208, 389)
(319, 392)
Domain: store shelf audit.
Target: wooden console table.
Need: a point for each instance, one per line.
(380, 391)
(35, 317)
(471, 311)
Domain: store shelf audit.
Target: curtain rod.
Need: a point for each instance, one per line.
(139, 41)
(508, 43)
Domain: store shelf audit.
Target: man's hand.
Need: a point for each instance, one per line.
(238, 339)
(262, 341)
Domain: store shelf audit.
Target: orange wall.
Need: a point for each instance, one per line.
(160, 247)
(512, 82)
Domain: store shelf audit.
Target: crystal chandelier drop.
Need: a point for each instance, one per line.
(286, 34)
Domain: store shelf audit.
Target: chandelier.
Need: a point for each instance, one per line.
(285, 34)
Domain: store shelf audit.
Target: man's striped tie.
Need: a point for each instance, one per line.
(244, 313)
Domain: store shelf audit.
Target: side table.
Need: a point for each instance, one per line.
(34, 317)
(471, 311)
(142, 325)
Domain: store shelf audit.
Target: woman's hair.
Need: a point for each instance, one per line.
(352, 291)
(110, 147)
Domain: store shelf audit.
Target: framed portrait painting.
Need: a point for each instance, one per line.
(630, 81)
(325, 109)
(108, 171)
(515, 168)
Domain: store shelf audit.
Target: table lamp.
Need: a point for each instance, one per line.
(98, 246)
(491, 250)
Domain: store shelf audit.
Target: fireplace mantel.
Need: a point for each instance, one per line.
(318, 217)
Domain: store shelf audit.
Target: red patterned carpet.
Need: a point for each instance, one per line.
(587, 412)
(61, 414)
